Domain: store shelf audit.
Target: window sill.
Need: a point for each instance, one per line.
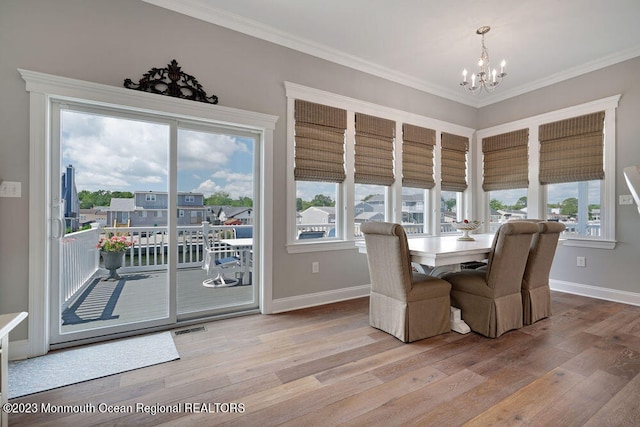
(588, 243)
(339, 245)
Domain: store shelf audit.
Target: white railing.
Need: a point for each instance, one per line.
(149, 251)
(79, 260)
(572, 229)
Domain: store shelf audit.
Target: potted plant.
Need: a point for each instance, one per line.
(112, 248)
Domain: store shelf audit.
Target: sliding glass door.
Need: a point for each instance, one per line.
(133, 198)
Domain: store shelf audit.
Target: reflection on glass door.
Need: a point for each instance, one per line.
(216, 237)
(110, 230)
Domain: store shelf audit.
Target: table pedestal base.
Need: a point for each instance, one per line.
(457, 324)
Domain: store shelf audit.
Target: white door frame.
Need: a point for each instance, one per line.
(42, 89)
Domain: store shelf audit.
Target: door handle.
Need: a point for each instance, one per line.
(58, 227)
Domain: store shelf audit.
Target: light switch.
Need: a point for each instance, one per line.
(625, 199)
(10, 189)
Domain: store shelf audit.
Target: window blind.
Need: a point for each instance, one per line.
(572, 149)
(417, 156)
(454, 162)
(506, 161)
(319, 142)
(374, 150)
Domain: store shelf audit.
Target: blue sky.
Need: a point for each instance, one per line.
(117, 154)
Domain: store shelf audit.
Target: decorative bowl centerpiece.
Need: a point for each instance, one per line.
(466, 227)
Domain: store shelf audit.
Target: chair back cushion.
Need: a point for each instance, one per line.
(508, 257)
(388, 258)
(541, 253)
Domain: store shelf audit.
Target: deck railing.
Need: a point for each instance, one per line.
(80, 258)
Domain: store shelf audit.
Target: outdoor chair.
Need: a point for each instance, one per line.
(218, 263)
(243, 232)
(310, 235)
(490, 299)
(406, 304)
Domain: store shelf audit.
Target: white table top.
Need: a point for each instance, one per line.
(446, 250)
(238, 243)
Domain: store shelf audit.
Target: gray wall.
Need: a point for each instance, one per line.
(108, 41)
(614, 269)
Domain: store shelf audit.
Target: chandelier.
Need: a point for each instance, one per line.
(486, 78)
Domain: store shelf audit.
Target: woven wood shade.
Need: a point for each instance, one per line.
(454, 162)
(319, 142)
(506, 161)
(417, 156)
(374, 150)
(572, 149)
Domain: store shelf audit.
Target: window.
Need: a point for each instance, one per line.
(571, 170)
(189, 199)
(319, 167)
(376, 182)
(150, 197)
(506, 176)
(417, 176)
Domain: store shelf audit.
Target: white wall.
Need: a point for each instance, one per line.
(108, 41)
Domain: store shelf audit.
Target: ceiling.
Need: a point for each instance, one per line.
(425, 44)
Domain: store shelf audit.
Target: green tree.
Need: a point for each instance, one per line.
(521, 203)
(220, 198)
(569, 207)
(450, 204)
(90, 199)
(496, 205)
(322, 200)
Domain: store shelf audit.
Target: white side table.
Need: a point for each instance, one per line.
(7, 323)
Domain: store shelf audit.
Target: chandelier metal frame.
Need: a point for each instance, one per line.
(485, 78)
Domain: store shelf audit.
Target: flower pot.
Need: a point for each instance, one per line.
(112, 262)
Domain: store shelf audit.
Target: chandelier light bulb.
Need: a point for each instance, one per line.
(488, 79)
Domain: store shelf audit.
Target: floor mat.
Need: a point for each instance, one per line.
(70, 366)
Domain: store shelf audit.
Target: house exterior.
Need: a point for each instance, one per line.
(149, 209)
(318, 215)
(217, 215)
(97, 214)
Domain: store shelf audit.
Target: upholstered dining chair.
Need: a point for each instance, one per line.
(536, 295)
(406, 304)
(490, 299)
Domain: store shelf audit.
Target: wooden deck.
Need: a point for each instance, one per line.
(144, 296)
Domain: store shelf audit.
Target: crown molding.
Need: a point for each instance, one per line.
(203, 11)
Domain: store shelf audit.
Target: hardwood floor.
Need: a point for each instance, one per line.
(327, 366)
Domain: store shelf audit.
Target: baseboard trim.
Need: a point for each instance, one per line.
(607, 294)
(282, 305)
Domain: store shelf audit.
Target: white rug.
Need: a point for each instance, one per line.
(64, 367)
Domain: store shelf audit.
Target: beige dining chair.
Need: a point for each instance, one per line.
(536, 295)
(490, 299)
(406, 304)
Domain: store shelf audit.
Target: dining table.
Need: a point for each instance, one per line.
(437, 255)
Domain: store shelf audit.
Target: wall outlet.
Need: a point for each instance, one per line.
(315, 267)
(581, 261)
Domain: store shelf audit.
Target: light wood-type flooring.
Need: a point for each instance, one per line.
(327, 366)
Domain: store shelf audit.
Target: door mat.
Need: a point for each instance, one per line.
(71, 366)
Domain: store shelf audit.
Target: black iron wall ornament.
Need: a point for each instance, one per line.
(171, 81)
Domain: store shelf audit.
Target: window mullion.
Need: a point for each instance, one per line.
(348, 193)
